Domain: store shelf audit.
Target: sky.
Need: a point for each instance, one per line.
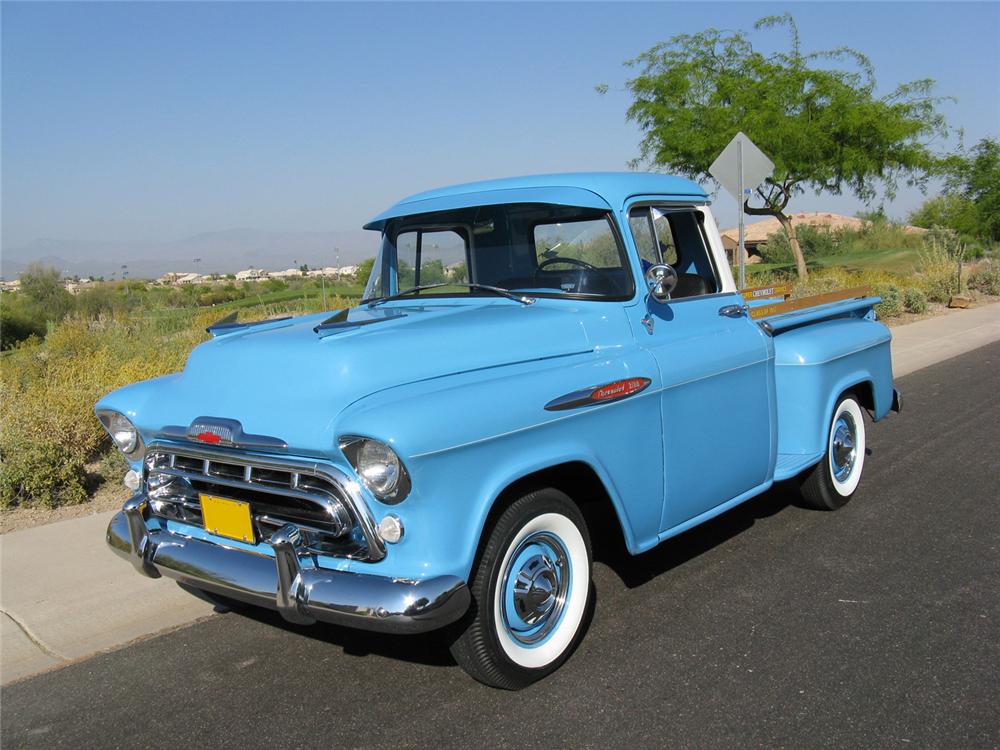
(156, 121)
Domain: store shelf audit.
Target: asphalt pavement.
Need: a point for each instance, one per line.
(772, 626)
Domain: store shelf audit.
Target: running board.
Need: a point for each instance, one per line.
(790, 464)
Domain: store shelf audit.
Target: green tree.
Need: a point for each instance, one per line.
(457, 272)
(824, 127)
(364, 270)
(43, 286)
(977, 179)
(951, 210)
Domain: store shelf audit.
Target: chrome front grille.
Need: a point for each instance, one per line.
(305, 494)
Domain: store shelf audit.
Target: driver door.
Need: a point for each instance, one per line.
(715, 403)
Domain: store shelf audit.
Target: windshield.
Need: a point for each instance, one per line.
(537, 249)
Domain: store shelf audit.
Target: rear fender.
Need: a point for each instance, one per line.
(815, 364)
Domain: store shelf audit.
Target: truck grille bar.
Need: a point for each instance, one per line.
(322, 501)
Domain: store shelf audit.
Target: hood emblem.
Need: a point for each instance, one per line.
(224, 432)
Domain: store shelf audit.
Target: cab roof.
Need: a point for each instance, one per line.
(603, 190)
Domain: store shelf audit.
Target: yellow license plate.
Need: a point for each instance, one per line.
(225, 517)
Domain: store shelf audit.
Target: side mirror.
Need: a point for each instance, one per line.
(661, 280)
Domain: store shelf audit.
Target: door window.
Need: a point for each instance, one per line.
(674, 236)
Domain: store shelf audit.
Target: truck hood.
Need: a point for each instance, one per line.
(288, 380)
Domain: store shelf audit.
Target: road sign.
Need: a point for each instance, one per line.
(740, 168)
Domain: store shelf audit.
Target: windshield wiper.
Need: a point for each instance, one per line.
(423, 287)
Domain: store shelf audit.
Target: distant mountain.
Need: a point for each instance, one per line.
(225, 251)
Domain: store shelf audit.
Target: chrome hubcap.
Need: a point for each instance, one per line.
(843, 450)
(534, 587)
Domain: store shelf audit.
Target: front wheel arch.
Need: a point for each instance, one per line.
(582, 483)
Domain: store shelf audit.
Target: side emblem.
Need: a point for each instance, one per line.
(599, 394)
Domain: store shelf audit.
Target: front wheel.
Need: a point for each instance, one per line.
(831, 483)
(531, 588)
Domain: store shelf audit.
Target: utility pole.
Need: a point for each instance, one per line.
(125, 277)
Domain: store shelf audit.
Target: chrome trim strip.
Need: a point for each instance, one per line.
(300, 594)
(206, 476)
(349, 488)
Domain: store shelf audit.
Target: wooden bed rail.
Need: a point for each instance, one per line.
(790, 305)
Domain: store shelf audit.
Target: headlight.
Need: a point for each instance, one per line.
(379, 468)
(122, 432)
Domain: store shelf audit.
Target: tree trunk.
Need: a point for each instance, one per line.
(793, 242)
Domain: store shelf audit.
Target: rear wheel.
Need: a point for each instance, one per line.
(531, 588)
(831, 483)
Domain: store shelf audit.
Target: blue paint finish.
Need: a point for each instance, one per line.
(815, 364)
(586, 189)
(457, 386)
(560, 196)
(715, 374)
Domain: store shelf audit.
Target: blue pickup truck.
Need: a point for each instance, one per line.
(530, 354)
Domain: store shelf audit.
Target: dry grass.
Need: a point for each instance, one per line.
(50, 440)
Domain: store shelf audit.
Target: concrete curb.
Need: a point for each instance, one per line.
(66, 597)
(927, 342)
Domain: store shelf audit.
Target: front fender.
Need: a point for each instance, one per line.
(466, 438)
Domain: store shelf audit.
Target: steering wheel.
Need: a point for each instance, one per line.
(570, 261)
(582, 267)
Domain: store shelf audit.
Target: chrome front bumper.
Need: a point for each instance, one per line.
(301, 595)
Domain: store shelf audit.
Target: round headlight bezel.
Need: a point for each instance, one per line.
(123, 433)
(366, 455)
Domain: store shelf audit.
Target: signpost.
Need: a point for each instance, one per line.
(740, 169)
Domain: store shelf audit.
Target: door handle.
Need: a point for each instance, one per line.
(734, 311)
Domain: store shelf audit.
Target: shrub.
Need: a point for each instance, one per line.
(816, 242)
(776, 249)
(938, 265)
(891, 305)
(48, 431)
(39, 471)
(914, 300)
(19, 320)
(986, 279)
(878, 235)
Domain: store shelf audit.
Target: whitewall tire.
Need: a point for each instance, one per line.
(832, 482)
(532, 592)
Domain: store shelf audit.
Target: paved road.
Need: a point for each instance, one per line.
(878, 625)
